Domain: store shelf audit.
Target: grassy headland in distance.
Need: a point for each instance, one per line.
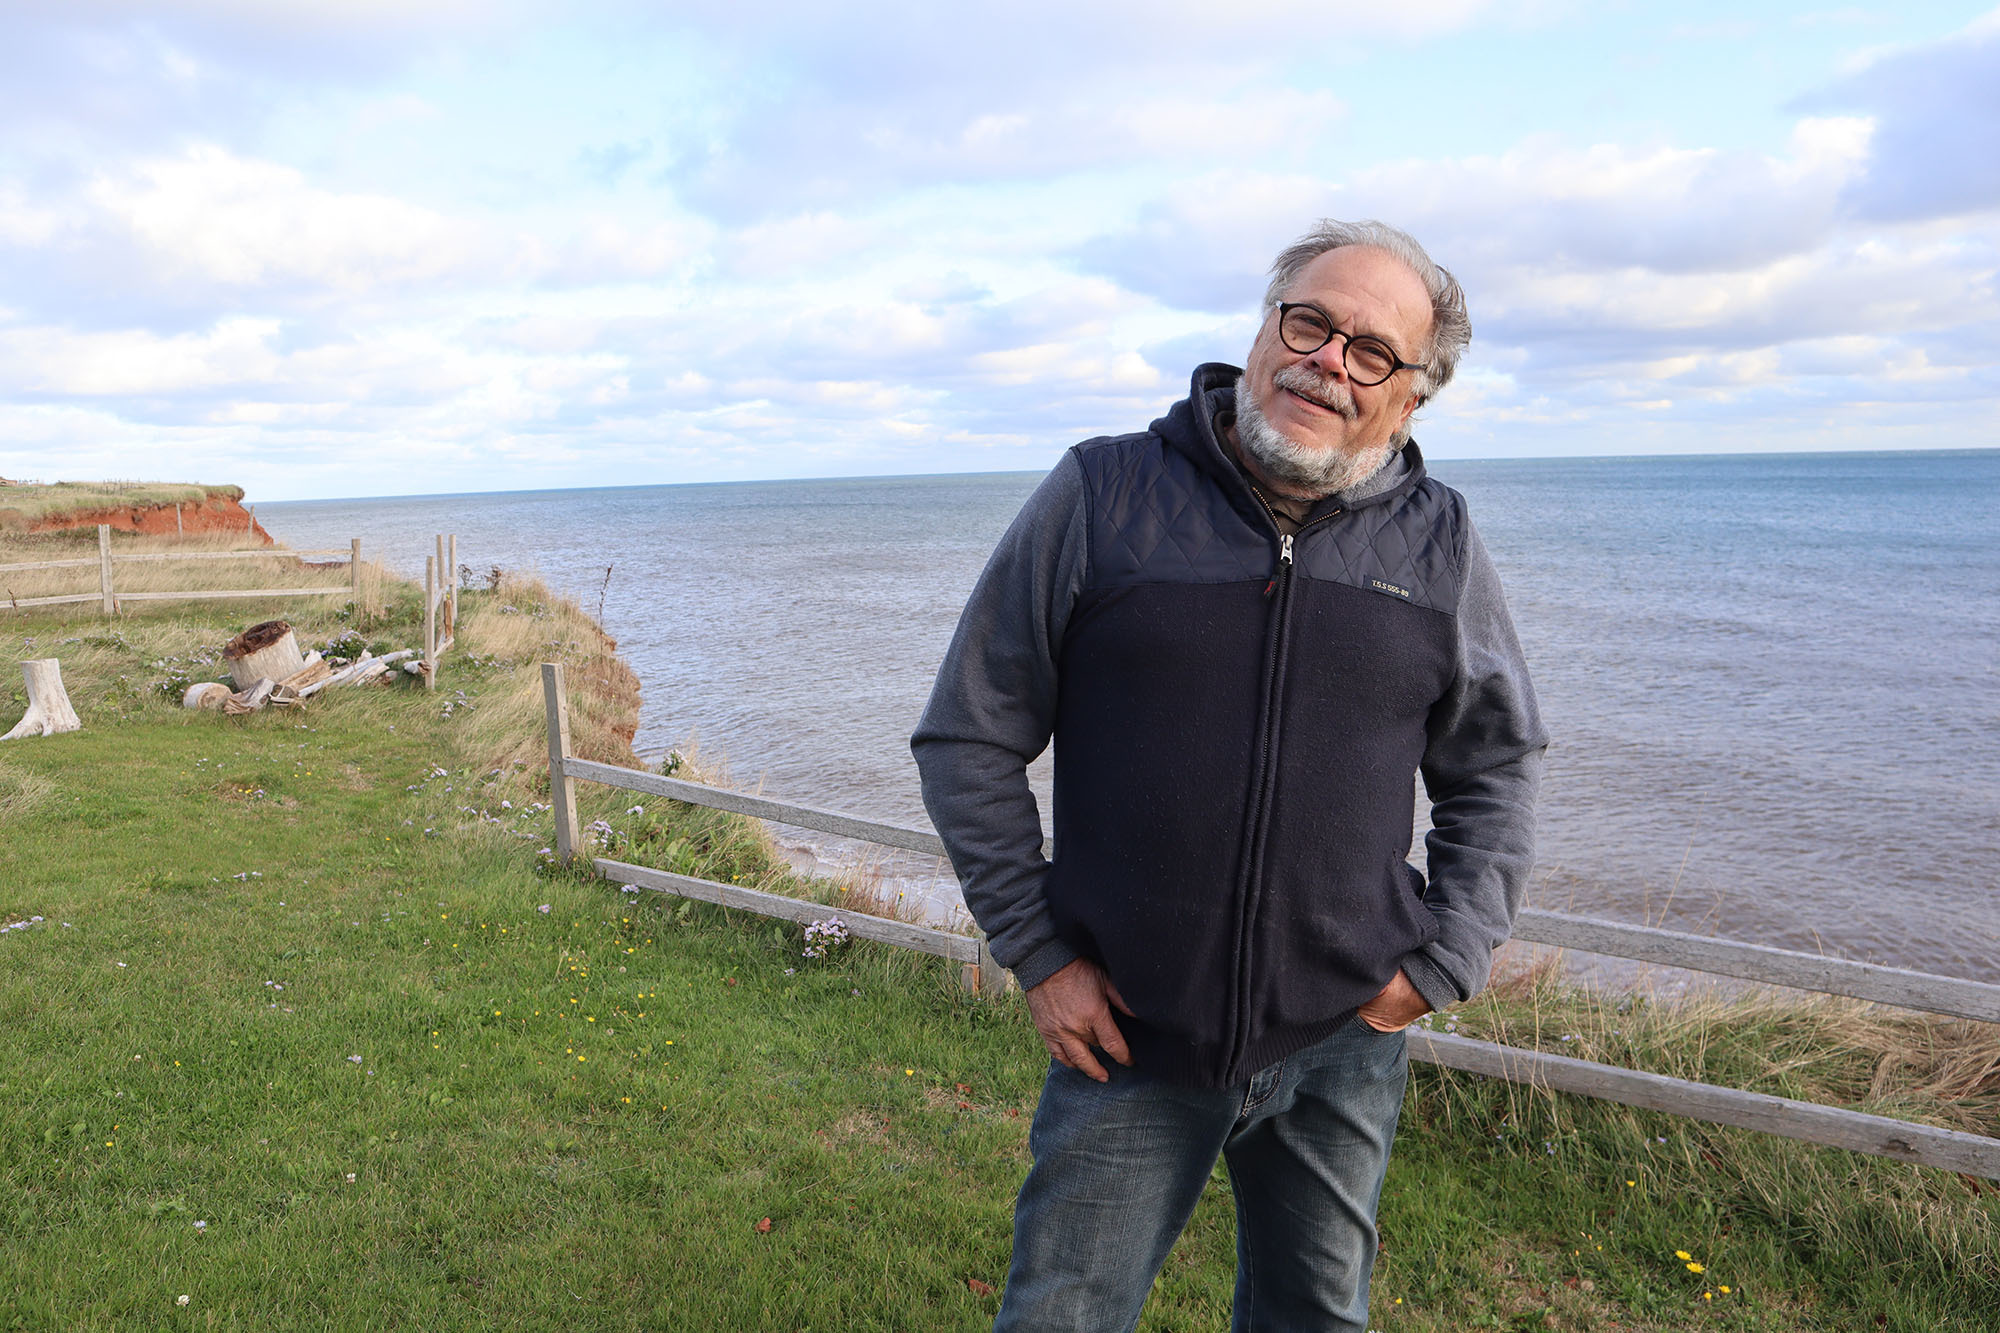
(310, 1032)
(31, 504)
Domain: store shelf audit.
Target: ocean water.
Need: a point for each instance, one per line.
(1773, 681)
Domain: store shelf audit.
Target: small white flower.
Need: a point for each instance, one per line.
(354, 1059)
(201, 1226)
(543, 909)
(180, 1300)
(635, 810)
(350, 1177)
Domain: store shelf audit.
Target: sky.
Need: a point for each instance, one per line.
(325, 248)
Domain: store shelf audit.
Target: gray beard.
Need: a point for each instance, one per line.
(1300, 471)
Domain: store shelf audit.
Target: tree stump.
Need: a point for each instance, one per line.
(265, 651)
(48, 702)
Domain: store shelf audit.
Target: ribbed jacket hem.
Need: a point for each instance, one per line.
(1200, 1065)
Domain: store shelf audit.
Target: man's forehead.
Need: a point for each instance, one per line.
(1380, 292)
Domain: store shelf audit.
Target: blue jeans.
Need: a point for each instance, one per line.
(1119, 1166)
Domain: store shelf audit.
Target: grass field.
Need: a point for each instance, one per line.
(303, 1027)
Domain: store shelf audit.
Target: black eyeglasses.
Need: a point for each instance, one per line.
(1369, 361)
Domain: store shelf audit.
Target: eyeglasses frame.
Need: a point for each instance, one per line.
(1347, 344)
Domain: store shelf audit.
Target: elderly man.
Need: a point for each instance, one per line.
(1245, 628)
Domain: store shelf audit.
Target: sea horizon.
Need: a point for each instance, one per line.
(1429, 461)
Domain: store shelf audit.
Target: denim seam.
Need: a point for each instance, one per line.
(1252, 1102)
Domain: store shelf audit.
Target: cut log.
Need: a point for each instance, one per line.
(264, 650)
(205, 694)
(250, 700)
(48, 702)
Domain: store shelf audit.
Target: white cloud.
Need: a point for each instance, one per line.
(60, 362)
(212, 216)
(805, 241)
(1936, 106)
(1044, 88)
(25, 224)
(1542, 206)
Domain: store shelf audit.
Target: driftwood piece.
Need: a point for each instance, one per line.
(267, 649)
(314, 671)
(250, 700)
(205, 694)
(49, 709)
(358, 672)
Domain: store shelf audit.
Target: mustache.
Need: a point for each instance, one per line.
(1326, 392)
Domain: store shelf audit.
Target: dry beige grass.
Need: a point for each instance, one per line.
(1812, 1047)
(275, 569)
(520, 625)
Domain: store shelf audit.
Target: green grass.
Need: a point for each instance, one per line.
(578, 1118)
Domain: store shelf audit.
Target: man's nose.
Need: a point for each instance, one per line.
(1330, 361)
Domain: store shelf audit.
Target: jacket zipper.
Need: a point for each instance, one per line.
(1251, 890)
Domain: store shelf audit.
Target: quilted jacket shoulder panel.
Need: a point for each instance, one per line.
(1156, 517)
(1410, 547)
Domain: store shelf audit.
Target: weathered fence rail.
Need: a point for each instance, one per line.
(1762, 963)
(1810, 1122)
(108, 596)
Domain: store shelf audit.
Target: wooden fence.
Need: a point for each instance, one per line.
(1881, 1136)
(440, 595)
(108, 596)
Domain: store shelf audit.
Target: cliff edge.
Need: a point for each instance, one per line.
(151, 508)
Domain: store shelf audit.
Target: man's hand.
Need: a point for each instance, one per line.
(1072, 1011)
(1399, 1005)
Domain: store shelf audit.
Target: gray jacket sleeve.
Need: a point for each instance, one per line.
(1482, 766)
(993, 710)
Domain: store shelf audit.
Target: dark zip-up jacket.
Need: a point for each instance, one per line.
(1238, 717)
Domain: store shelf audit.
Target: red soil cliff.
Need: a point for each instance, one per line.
(216, 514)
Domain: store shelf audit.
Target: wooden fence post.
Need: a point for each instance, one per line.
(180, 528)
(562, 787)
(451, 568)
(430, 622)
(104, 569)
(986, 978)
(354, 573)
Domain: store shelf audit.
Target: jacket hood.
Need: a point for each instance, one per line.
(1189, 428)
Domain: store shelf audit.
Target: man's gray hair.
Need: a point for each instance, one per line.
(1451, 328)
